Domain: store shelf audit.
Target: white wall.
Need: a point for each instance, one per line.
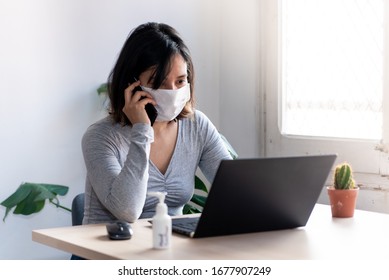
(240, 105)
(54, 54)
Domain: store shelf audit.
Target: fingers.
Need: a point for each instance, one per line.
(132, 97)
(134, 106)
(128, 92)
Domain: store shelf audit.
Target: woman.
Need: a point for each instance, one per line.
(126, 155)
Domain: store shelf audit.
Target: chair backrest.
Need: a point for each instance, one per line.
(78, 209)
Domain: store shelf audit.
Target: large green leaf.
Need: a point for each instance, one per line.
(200, 185)
(56, 189)
(30, 198)
(190, 209)
(199, 200)
(29, 205)
(20, 194)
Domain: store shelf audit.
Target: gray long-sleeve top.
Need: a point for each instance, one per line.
(120, 172)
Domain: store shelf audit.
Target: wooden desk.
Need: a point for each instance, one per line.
(365, 236)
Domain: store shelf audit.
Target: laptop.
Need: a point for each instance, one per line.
(259, 194)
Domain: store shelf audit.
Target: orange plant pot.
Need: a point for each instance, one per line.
(342, 202)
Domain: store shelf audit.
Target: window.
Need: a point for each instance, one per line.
(325, 80)
(332, 68)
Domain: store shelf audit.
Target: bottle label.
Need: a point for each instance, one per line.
(163, 238)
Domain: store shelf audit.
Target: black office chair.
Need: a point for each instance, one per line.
(77, 215)
(78, 209)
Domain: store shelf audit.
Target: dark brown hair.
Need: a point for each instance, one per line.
(149, 45)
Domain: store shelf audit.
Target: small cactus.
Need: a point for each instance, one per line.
(343, 179)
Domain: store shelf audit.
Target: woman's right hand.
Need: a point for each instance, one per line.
(134, 104)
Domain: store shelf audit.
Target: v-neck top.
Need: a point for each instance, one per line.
(120, 172)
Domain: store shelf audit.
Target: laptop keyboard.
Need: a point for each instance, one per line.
(185, 226)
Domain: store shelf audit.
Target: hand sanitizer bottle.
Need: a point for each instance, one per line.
(162, 223)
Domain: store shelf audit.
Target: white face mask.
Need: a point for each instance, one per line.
(170, 102)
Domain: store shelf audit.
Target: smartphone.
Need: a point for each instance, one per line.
(150, 109)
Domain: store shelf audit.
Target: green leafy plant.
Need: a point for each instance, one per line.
(102, 89)
(30, 198)
(343, 178)
(197, 200)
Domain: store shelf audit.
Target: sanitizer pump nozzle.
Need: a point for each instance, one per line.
(162, 223)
